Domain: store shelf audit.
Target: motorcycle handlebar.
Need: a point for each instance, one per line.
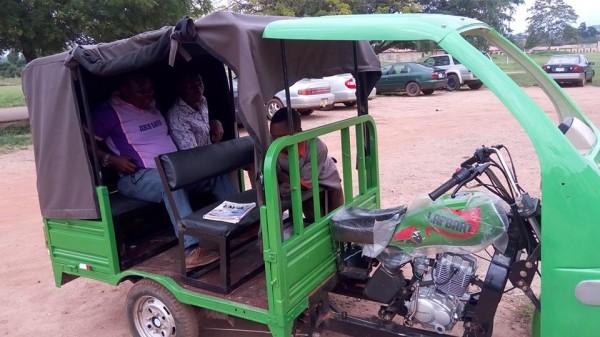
(463, 175)
(481, 155)
(458, 177)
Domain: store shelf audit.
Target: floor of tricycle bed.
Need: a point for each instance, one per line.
(252, 292)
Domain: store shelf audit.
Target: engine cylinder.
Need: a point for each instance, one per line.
(439, 302)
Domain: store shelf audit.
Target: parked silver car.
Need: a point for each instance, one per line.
(343, 89)
(570, 68)
(306, 95)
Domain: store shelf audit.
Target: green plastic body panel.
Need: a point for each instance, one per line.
(570, 180)
(470, 220)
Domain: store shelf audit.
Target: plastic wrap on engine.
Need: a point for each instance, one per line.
(466, 224)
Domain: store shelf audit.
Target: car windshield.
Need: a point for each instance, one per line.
(564, 59)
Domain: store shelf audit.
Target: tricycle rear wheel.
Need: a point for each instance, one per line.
(153, 311)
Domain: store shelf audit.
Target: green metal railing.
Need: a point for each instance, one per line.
(297, 266)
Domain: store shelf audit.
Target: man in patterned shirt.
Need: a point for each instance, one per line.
(190, 127)
(188, 118)
(135, 132)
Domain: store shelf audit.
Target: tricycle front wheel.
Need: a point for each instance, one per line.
(153, 311)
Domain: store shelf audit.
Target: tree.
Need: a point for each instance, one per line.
(42, 27)
(569, 35)
(582, 30)
(297, 8)
(548, 20)
(496, 13)
(587, 34)
(301, 8)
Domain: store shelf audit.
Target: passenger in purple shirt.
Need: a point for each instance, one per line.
(136, 132)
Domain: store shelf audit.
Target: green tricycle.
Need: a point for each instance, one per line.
(418, 264)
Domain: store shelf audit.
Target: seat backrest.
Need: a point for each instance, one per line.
(183, 168)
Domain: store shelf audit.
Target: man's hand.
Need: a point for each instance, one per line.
(216, 131)
(123, 164)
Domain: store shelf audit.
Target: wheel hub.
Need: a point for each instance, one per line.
(153, 318)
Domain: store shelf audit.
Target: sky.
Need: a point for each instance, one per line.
(588, 11)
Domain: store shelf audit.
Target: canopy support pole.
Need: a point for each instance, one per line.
(286, 83)
(361, 97)
(359, 80)
(90, 128)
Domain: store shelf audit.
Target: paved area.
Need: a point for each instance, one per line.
(13, 114)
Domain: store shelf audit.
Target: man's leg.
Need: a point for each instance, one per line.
(222, 187)
(145, 184)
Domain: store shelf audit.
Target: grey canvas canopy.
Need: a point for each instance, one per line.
(65, 175)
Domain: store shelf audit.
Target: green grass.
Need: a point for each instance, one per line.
(11, 94)
(14, 136)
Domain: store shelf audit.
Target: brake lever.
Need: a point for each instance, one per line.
(453, 195)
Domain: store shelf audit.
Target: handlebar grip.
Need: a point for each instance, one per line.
(469, 161)
(443, 188)
(460, 176)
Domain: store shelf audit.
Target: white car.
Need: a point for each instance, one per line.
(306, 95)
(343, 88)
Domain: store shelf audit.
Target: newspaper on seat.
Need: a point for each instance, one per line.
(228, 211)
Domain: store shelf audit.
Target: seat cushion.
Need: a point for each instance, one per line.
(121, 205)
(195, 221)
(355, 224)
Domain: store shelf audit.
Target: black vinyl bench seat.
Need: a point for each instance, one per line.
(185, 168)
(142, 229)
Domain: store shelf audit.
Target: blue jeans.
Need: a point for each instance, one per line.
(145, 184)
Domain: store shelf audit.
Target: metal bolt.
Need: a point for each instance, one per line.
(524, 288)
(529, 265)
(523, 273)
(520, 283)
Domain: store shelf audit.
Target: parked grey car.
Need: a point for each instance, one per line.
(456, 73)
(343, 88)
(306, 95)
(570, 68)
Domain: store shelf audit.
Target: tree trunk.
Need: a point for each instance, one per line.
(29, 53)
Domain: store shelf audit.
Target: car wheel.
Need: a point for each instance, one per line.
(327, 107)
(413, 89)
(453, 82)
(306, 112)
(153, 311)
(427, 91)
(350, 104)
(272, 106)
(475, 86)
(580, 83)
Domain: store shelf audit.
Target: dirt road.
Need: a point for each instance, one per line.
(421, 141)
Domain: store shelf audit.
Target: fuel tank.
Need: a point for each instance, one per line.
(467, 223)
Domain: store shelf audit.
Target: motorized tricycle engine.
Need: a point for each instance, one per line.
(441, 293)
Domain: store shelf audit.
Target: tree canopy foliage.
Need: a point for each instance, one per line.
(301, 8)
(550, 21)
(42, 27)
(587, 34)
(497, 13)
(12, 65)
